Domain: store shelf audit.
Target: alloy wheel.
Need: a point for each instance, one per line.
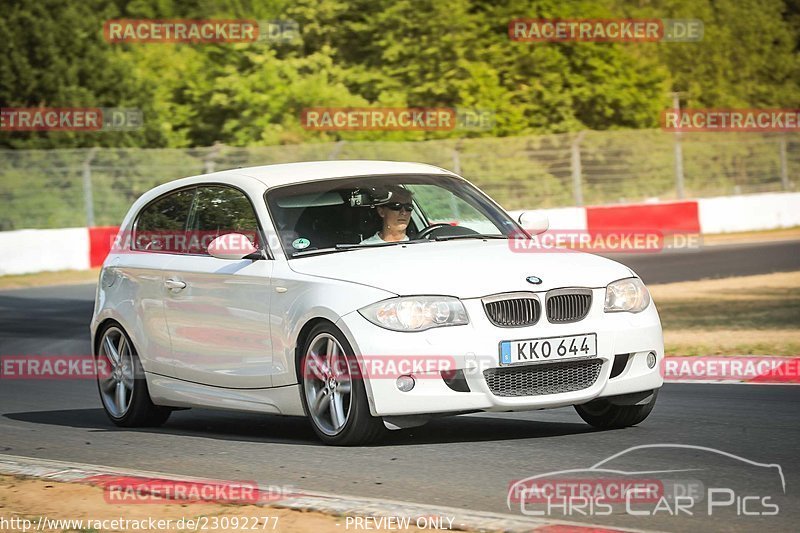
(328, 384)
(115, 372)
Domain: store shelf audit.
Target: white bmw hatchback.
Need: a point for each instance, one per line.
(364, 295)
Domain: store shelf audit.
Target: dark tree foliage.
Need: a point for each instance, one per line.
(453, 53)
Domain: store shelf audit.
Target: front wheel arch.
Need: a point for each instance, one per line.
(360, 426)
(603, 413)
(302, 337)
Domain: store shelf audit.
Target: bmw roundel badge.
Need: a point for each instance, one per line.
(534, 280)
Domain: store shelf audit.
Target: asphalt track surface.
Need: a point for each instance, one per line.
(719, 261)
(465, 462)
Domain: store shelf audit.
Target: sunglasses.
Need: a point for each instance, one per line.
(397, 206)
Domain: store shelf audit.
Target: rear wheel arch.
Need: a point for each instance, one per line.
(98, 333)
(140, 411)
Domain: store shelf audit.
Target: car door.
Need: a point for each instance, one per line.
(217, 309)
(140, 263)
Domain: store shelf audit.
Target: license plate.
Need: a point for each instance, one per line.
(548, 349)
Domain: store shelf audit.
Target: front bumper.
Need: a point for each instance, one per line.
(475, 347)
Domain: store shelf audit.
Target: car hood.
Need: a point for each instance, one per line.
(465, 269)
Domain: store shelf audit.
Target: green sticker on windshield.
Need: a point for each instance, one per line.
(300, 243)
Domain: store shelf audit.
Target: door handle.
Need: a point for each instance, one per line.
(175, 284)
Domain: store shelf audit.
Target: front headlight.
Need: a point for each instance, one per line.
(416, 313)
(628, 294)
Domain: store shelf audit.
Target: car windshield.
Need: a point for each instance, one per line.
(341, 214)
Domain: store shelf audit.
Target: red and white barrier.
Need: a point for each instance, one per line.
(42, 250)
(100, 239)
(726, 214)
(729, 214)
(668, 217)
(28, 251)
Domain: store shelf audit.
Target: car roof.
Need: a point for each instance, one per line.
(288, 173)
(270, 176)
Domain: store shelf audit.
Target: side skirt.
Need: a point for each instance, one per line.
(172, 392)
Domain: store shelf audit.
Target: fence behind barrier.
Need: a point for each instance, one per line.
(95, 187)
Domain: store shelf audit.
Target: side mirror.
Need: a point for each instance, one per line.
(231, 246)
(534, 222)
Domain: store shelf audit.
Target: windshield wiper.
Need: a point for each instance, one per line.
(352, 246)
(470, 236)
(378, 244)
(344, 247)
(356, 246)
(302, 253)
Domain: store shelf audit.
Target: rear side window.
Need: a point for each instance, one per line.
(162, 223)
(219, 210)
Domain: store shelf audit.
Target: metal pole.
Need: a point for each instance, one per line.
(210, 159)
(337, 148)
(577, 171)
(679, 181)
(457, 169)
(456, 161)
(784, 165)
(88, 197)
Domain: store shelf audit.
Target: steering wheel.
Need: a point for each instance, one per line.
(444, 229)
(425, 232)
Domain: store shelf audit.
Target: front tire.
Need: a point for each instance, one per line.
(333, 391)
(121, 382)
(603, 414)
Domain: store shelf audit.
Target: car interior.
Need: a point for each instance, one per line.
(329, 219)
